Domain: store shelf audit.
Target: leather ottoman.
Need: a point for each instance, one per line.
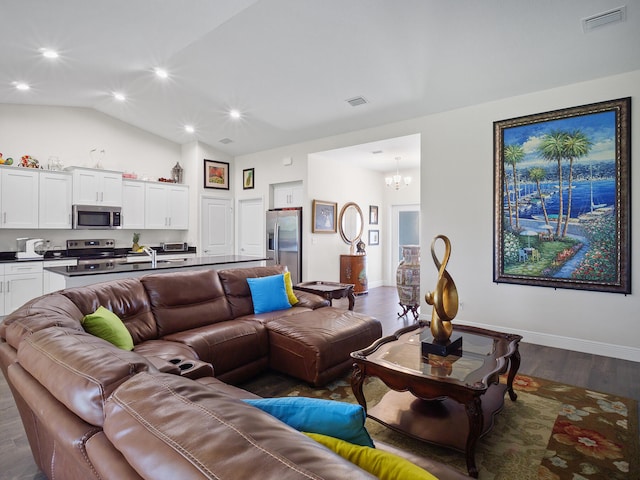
(316, 348)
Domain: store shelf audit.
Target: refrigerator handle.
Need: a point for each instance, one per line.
(276, 246)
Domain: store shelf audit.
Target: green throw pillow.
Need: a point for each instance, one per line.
(288, 286)
(384, 465)
(106, 325)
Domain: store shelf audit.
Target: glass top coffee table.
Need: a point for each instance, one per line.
(449, 401)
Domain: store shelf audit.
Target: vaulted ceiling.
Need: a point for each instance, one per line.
(289, 66)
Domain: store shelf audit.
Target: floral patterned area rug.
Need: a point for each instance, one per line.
(552, 431)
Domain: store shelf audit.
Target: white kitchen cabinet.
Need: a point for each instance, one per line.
(178, 207)
(55, 200)
(287, 195)
(22, 281)
(96, 187)
(52, 282)
(133, 204)
(166, 206)
(19, 197)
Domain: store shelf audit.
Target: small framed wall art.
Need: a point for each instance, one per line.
(374, 237)
(373, 214)
(248, 178)
(324, 217)
(216, 175)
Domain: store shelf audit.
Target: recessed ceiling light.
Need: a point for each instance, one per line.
(189, 129)
(235, 113)
(21, 86)
(162, 73)
(48, 53)
(118, 96)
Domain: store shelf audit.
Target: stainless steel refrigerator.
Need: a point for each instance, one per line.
(284, 240)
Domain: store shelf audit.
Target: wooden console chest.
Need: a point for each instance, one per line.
(353, 269)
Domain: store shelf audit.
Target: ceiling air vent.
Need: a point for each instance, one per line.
(225, 141)
(355, 101)
(616, 15)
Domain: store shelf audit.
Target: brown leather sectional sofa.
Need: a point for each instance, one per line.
(168, 409)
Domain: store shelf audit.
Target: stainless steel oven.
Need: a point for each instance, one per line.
(94, 254)
(93, 217)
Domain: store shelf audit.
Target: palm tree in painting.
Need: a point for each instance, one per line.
(514, 154)
(552, 148)
(576, 145)
(537, 175)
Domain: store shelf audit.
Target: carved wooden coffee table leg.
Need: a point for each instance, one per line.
(476, 419)
(357, 380)
(351, 297)
(513, 370)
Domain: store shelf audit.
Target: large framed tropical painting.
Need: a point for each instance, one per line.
(562, 200)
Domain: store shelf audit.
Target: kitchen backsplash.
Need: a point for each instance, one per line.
(123, 238)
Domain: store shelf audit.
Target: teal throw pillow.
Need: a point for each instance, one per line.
(315, 415)
(107, 325)
(268, 293)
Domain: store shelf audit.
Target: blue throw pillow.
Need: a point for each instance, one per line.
(315, 415)
(268, 293)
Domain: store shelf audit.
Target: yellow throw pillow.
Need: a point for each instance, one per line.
(288, 286)
(105, 324)
(384, 465)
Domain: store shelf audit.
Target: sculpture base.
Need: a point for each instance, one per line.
(452, 346)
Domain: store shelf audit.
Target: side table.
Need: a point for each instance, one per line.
(329, 290)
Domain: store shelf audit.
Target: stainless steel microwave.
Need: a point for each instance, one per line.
(93, 217)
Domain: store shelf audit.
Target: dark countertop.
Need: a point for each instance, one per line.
(77, 271)
(10, 256)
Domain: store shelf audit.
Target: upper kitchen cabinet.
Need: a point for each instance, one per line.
(133, 204)
(19, 197)
(96, 187)
(287, 195)
(166, 206)
(55, 200)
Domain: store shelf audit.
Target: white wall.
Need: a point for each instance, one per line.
(457, 181)
(456, 200)
(332, 181)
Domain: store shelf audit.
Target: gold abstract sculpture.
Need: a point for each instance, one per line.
(445, 296)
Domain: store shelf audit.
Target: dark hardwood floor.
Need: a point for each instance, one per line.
(594, 372)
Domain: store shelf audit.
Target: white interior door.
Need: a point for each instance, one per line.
(251, 227)
(216, 225)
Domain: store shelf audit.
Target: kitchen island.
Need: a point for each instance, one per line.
(78, 275)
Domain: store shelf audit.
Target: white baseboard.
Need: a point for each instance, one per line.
(568, 343)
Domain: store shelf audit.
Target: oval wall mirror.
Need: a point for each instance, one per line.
(351, 223)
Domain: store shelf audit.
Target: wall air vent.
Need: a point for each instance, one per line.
(225, 141)
(355, 101)
(616, 15)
